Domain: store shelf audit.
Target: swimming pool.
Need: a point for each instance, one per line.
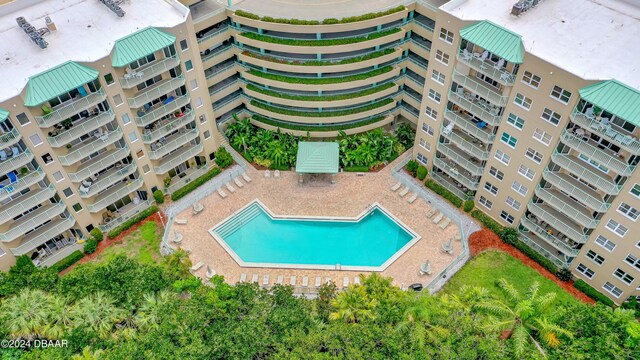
(371, 242)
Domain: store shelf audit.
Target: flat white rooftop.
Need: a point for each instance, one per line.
(86, 32)
(593, 39)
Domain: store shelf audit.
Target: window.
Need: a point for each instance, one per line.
(184, 45)
(526, 172)
(507, 217)
(635, 190)
(77, 207)
(194, 84)
(431, 113)
(502, 157)
(585, 271)
(422, 159)
(522, 101)
(140, 154)
(513, 203)
(551, 116)
(132, 136)
(542, 136)
(446, 35)
(515, 121)
(595, 257)
(428, 129)
(531, 79)
(438, 77)
(605, 243)
(612, 289)
(203, 118)
(67, 192)
(442, 57)
(207, 134)
(126, 119)
(521, 189)
(628, 211)
(109, 79)
(496, 173)
(57, 176)
(47, 158)
(434, 95)
(23, 119)
(146, 169)
(633, 261)
(593, 163)
(188, 65)
(486, 203)
(560, 94)
(198, 102)
(622, 275)
(534, 155)
(491, 188)
(425, 145)
(509, 140)
(35, 139)
(616, 228)
(117, 99)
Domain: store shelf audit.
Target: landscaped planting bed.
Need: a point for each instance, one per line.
(320, 42)
(328, 21)
(290, 112)
(352, 95)
(321, 81)
(352, 60)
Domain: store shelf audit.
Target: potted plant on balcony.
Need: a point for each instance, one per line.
(69, 146)
(167, 182)
(67, 124)
(24, 171)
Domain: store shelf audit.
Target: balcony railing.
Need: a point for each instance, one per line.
(173, 142)
(525, 238)
(163, 110)
(212, 34)
(178, 183)
(216, 52)
(488, 68)
(217, 71)
(214, 92)
(114, 194)
(42, 235)
(544, 234)
(130, 211)
(577, 190)
(475, 109)
(99, 163)
(106, 179)
(461, 158)
(25, 203)
(167, 126)
(10, 138)
(148, 71)
(465, 144)
(80, 152)
(467, 124)
(596, 154)
(177, 158)
(155, 91)
(454, 173)
(59, 254)
(586, 172)
(84, 127)
(558, 221)
(424, 46)
(70, 108)
(32, 221)
(566, 205)
(15, 162)
(23, 182)
(484, 91)
(624, 140)
(447, 183)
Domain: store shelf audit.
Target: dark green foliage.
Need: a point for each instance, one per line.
(356, 168)
(321, 81)
(290, 126)
(223, 158)
(421, 172)
(373, 55)
(97, 234)
(328, 21)
(511, 236)
(406, 135)
(487, 221)
(180, 193)
(468, 205)
(73, 258)
(412, 167)
(334, 113)
(360, 93)
(592, 293)
(134, 220)
(321, 42)
(247, 15)
(564, 274)
(442, 191)
(90, 246)
(189, 284)
(158, 195)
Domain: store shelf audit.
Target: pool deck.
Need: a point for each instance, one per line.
(348, 197)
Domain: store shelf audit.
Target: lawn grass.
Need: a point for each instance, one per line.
(142, 244)
(486, 268)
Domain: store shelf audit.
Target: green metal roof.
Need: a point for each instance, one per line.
(3, 114)
(57, 80)
(140, 44)
(317, 157)
(496, 39)
(616, 98)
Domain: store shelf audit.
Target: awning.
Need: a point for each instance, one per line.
(496, 39)
(317, 158)
(3, 114)
(140, 44)
(616, 98)
(57, 80)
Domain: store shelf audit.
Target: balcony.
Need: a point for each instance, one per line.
(470, 104)
(94, 145)
(538, 245)
(451, 185)
(10, 138)
(183, 154)
(483, 90)
(15, 162)
(166, 126)
(576, 189)
(59, 255)
(123, 214)
(587, 173)
(566, 205)
(80, 128)
(159, 110)
(558, 220)
(91, 188)
(465, 142)
(42, 235)
(604, 157)
(488, 68)
(172, 142)
(26, 202)
(154, 91)
(114, 193)
(70, 108)
(189, 175)
(209, 35)
(32, 221)
(609, 132)
(148, 71)
(462, 159)
(467, 124)
(545, 234)
(457, 173)
(98, 163)
(7, 188)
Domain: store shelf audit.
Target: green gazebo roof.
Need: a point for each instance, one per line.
(615, 97)
(317, 158)
(496, 39)
(140, 44)
(57, 80)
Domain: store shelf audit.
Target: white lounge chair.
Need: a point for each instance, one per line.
(448, 247)
(431, 212)
(589, 113)
(280, 280)
(318, 281)
(238, 182)
(209, 273)
(395, 187)
(276, 174)
(196, 267)
(267, 173)
(292, 280)
(222, 193)
(345, 282)
(445, 223)
(466, 55)
(499, 65)
(356, 280)
(230, 188)
(197, 208)
(254, 278)
(457, 237)
(413, 198)
(305, 281)
(246, 177)
(438, 218)
(177, 237)
(180, 221)
(404, 192)
(265, 280)
(425, 268)
(243, 277)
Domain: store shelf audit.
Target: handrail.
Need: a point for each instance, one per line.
(464, 144)
(155, 91)
(43, 235)
(550, 239)
(502, 76)
(163, 110)
(10, 138)
(71, 107)
(475, 109)
(15, 162)
(26, 202)
(187, 153)
(22, 183)
(557, 223)
(90, 124)
(459, 159)
(459, 176)
(234, 82)
(105, 181)
(215, 33)
(103, 163)
(591, 201)
(125, 216)
(116, 193)
(360, 71)
(91, 147)
(428, 48)
(466, 124)
(173, 123)
(215, 52)
(148, 71)
(476, 87)
(626, 141)
(32, 221)
(596, 154)
(395, 26)
(569, 207)
(220, 70)
(544, 252)
(174, 142)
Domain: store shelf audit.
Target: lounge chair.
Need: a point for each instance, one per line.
(327, 280)
(197, 208)
(292, 280)
(267, 173)
(356, 280)
(265, 280)
(222, 193)
(395, 187)
(177, 237)
(457, 237)
(180, 221)
(276, 174)
(431, 212)
(246, 177)
(15, 151)
(210, 272)
(305, 281)
(280, 280)
(404, 192)
(196, 267)
(318, 281)
(345, 282)
(445, 223)
(413, 198)
(238, 182)
(254, 278)
(425, 268)
(448, 247)
(438, 218)
(230, 188)
(243, 277)
(3, 155)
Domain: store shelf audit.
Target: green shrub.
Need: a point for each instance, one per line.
(421, 172)
(468, 206)
(320, 81)
(319, 42)
(442, 191)
(247, 156)
(353, 95)
(592, 293)
(487, 221)
(289, 126)
(189, 284)
(223, 157)
(283, 167)
(248, 15)
(180, 193)
(356, 168)
(350, 60)
(328, 21)
(355, 110)
(564, 274)
(90, 246)
(159, 196)
(412, 167)
(65, 263)
(97, 234)
(134, 220)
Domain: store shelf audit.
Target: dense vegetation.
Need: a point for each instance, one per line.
(324, 127)
(321, 81)
(342, 96)
(329, 21)
(351, 60)
(319, 42)
(315, 113)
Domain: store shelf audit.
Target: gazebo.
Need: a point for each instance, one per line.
(317, 158)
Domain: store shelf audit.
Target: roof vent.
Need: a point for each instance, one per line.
(34, 34)
(50, 24)
(114, 5)
(523, 6)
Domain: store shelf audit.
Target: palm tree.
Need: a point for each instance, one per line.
(418, 320)
(353, 305)
(522, 317)
(276, 152)
(262, 138)
(88, 354)
(61, 317)
(148, 315)
(96, 312)
(27, 315)
(466, 298)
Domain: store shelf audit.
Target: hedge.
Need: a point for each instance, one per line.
(352, 60)
(279, 167)
(316, 114)
(353, 95)
(487, 221)
(329, 21)
(134, 220)
(442, 191)
(73, 258)
(592, 292)
(532, 254)
(180, 193)
(97, 234)
(158, 195)
(319, 42)
(356, 168)
(421, 172)
(321, 81)
(468, 206)
(90, 246)
(310, 128)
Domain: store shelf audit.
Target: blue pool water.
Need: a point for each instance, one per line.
(257, 238)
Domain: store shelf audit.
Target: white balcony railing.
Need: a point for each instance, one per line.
(609, 132)
(26, 202)
(162, 110)
(9, 138)
(154, 91)
(81, 150)
(461, 158)
(456, 174)
(467, 145)
(484, 91)
(82, 127)
(487, 115)
(177, 158)
(99, 163)
(488, 68)
(148, 71)
(469, 126)
(24, 181)
(173, 142)
(15, 162)
(167, 126)
(42, 235)
(558, 221)
(586, 172)
(32, 221)
(577, 190)
(593, 152)
(70, 108)
(114, 194)
(544, 234)
(106, 179)
(130, 211)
